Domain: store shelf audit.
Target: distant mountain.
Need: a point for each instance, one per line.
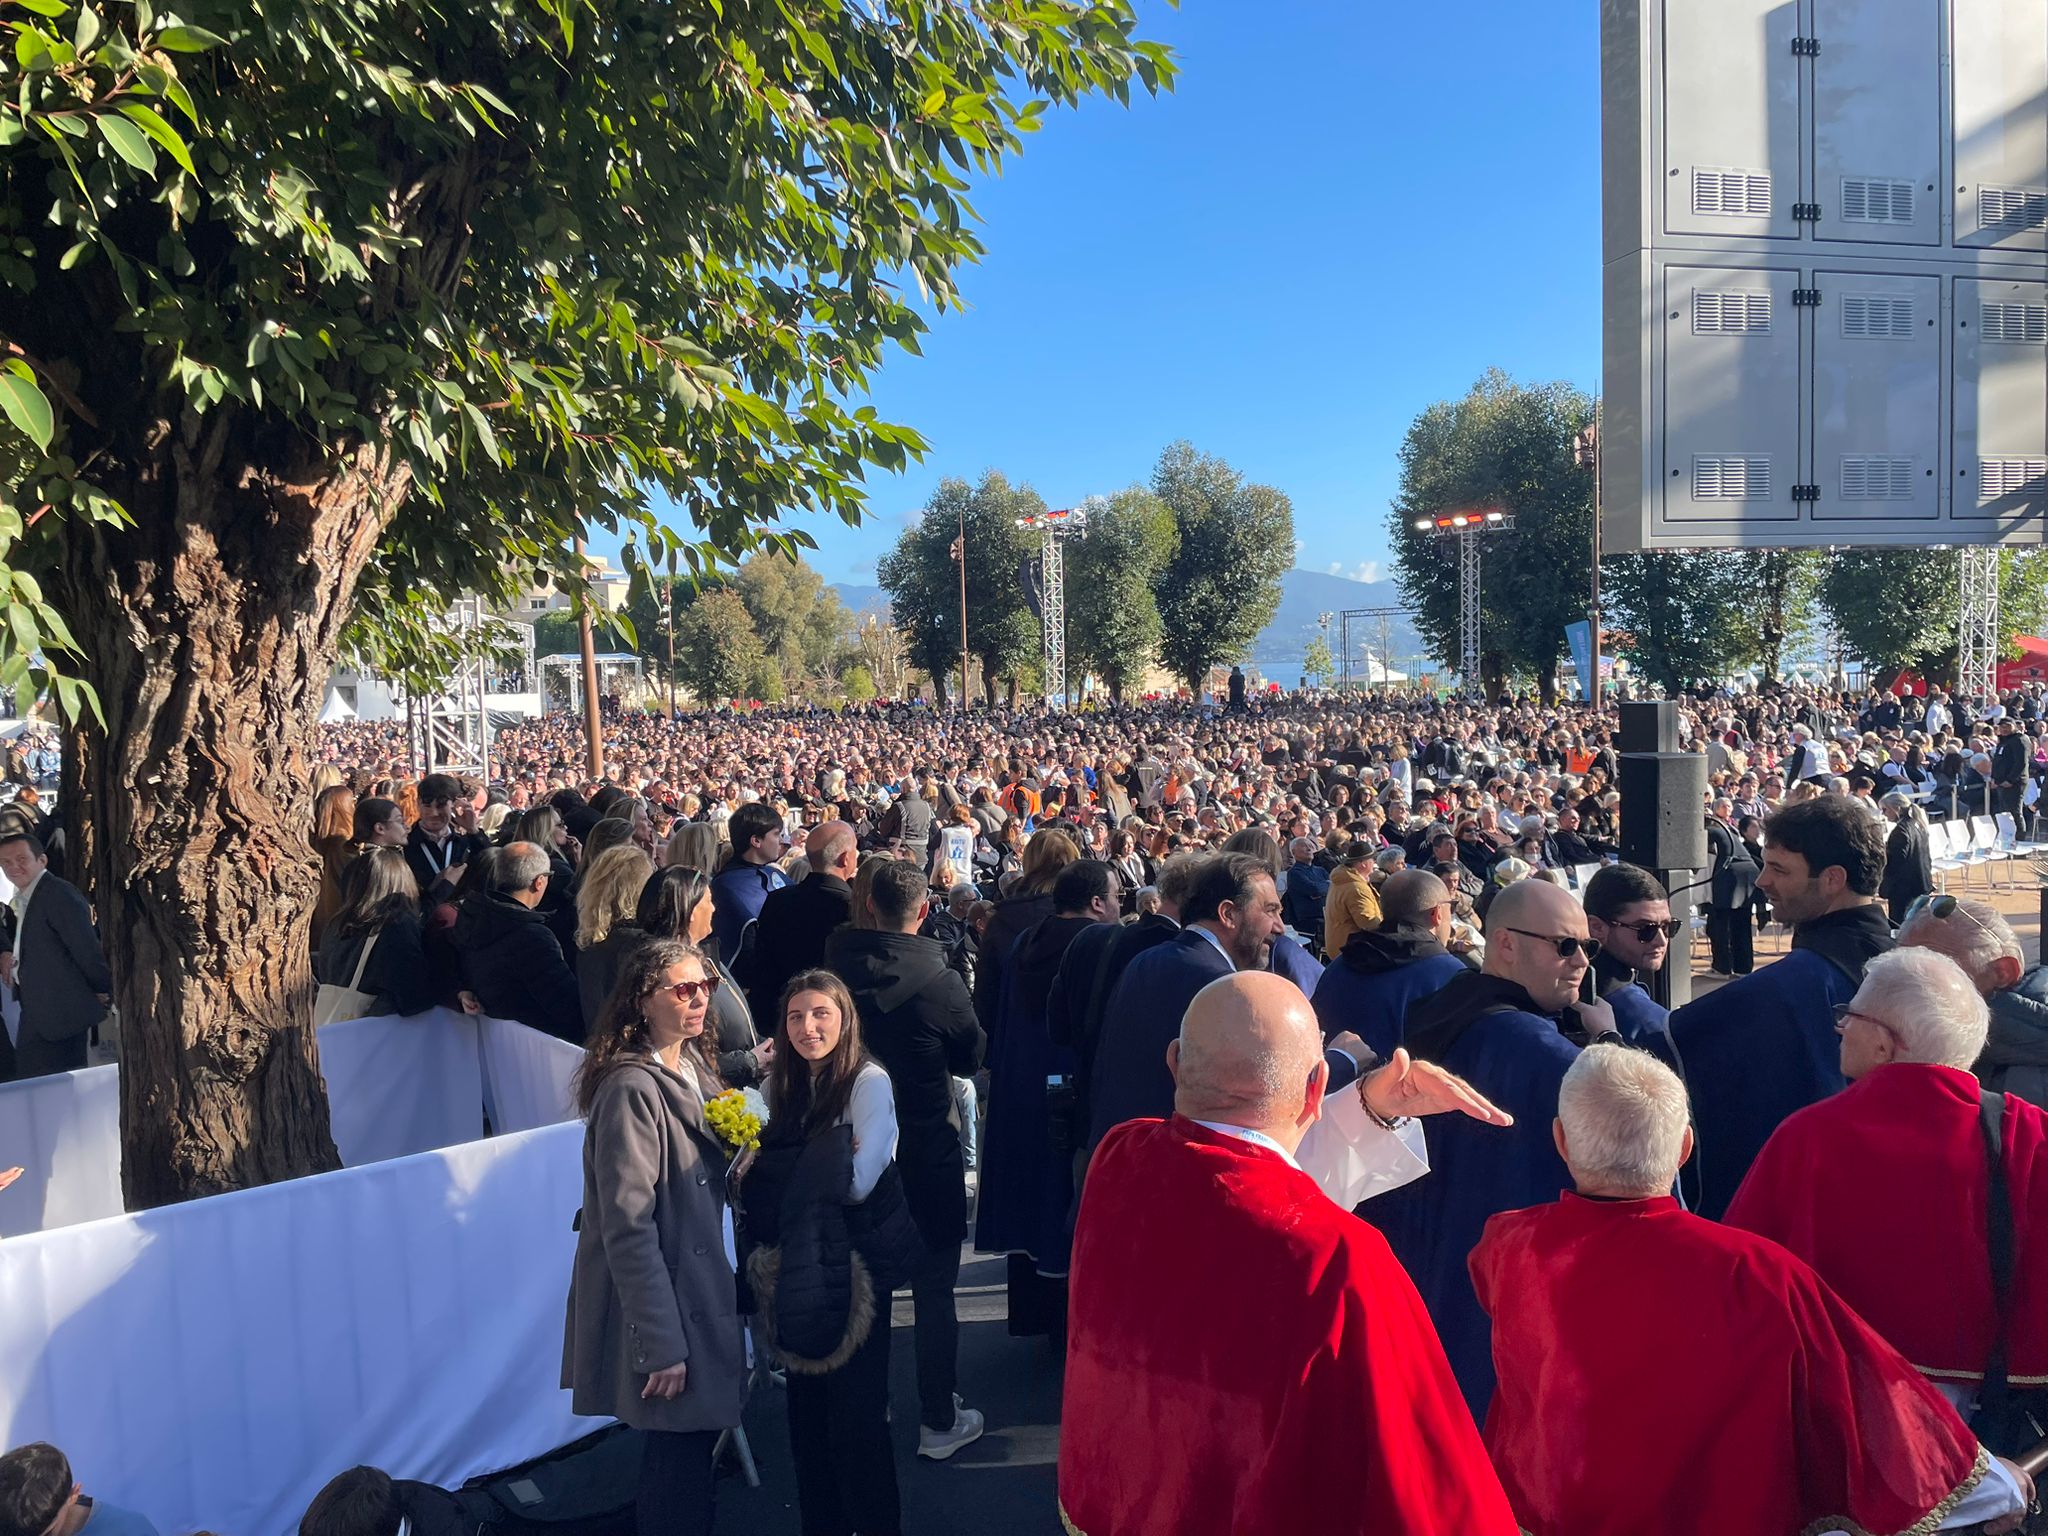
(1278, 651)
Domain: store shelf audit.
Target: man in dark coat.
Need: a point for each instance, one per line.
(908, 822)
(796, 921)
(1027, 1163)
(1764, 1046)
(1233, 915)
(1371, 982)
(1307, 889)
(2008, 767)
(444, 839)
(918, 1022)
(52, 958)
(511, 961)
(1732, 886)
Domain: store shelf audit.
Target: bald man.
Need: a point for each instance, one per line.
(1511, 1030)
(1245, 1358)
(795, 921)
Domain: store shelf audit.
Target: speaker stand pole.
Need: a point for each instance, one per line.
(1671, 988)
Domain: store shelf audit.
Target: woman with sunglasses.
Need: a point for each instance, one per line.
(676, 904)
(654, 1329)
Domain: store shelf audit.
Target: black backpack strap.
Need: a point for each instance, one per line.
(1998, 1212)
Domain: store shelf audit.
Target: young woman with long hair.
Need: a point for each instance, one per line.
(654, 1330)
(379, 911)
(829, 1237)
(607, 901)
(334, 825)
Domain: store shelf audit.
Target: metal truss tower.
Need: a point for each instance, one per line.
(1054, 529)
(1977, 640)
(452, 730)
(1467, 528)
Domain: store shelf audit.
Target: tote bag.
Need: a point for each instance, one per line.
(334, 1003)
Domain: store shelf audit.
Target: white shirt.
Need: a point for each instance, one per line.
(19, 902)
(1256, 1138)
(871, 1111)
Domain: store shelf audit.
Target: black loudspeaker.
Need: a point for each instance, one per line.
(1663, 809)
(1647, 725)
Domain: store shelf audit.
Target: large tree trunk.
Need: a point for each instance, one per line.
(210, 629)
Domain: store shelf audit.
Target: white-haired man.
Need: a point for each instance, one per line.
(1661, 1372)
(1884, 1188)
(1971, 933)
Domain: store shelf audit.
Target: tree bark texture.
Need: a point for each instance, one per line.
(210, 627)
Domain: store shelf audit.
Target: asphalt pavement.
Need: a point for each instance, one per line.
(1002, 1485)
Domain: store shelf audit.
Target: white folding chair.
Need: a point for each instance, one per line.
(1984, 852)
(1941, 852)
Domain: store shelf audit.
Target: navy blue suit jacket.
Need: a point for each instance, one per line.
(1130, 1080)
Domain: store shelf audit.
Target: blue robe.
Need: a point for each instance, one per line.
(1374, 1004)
(1289, 959)
(1517, 1059)
(1752, 1053)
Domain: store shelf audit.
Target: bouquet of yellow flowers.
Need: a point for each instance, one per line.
(738, 1115)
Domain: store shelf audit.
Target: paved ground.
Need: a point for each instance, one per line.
(1002, 1485)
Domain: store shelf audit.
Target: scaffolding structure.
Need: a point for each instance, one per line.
(448, 726)
(1977, 637)
(1467, 528)
(1054, 529)
(1346, 678)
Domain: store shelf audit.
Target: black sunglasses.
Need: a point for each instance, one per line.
(1646, 933)
(1564, 947)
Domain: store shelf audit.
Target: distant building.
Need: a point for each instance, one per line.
(611, 587)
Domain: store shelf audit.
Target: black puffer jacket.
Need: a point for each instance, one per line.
(819, 1268)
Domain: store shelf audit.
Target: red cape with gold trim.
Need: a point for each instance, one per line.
(1662, 1373)
(1245, 1358)
(1882, 1190)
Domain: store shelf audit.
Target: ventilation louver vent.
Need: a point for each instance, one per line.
(1731, 477)
(1877, 200)
(1998, 478)
(1876, 477)
(1733, 313)
(1871, 316)
(1734, 193)
(2010, 208)
(2021, 323)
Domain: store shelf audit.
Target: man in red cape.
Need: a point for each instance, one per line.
(1883, 1188)
(1244, 1356)
(1663, 1373)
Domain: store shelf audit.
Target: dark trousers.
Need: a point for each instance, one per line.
(678, 1485)
(1731, 940)
(37, 1057)
(839, 1438)
(938, 1335)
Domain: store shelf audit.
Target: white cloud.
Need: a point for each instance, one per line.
(1366, 570)
(1336, 568)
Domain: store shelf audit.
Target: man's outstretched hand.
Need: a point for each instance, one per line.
(1405, 1086)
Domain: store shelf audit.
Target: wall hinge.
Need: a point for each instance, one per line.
(1806, 298)
(1806, 213)
(1806, 493)
(1806, 47)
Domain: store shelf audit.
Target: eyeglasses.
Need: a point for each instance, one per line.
(1564, 946)
(1844, 1012)
(1942, 906)
(1646, 933)
(687, 992)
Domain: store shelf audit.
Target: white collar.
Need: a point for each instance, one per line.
(1256, 1138)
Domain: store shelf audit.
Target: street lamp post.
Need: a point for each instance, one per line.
(1586, 448)
(960, 560)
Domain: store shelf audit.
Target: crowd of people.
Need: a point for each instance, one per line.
(1075, 987)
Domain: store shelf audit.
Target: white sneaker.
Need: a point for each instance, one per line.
(938, 1444)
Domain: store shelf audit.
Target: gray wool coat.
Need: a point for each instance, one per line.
(652, 1286)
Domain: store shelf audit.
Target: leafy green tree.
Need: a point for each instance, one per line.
(1233, 541)
(923, 583)
(802, 624)
(1504, 446)
(1681, 613)
(718, 655)
(1901, 607)
(1780, 599)
(858, 684)
(1112, 612)
(1317, 662)
(319, 311)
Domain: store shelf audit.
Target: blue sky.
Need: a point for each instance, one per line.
(1346, 209)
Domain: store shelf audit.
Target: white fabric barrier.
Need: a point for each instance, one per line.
(526, 1075)
(65, 1130)
(396, 1086)
(212, 1364)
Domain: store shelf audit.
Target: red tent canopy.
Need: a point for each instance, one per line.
(2030, 666)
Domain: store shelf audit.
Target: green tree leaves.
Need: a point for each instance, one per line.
(718, 655)
(1234, 541)
(923, 582)
(1112, 608)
